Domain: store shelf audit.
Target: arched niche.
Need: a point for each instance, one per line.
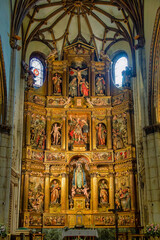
(55, 192)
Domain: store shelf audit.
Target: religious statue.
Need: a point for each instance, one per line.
(103, 192)
(55, 192)
(56, 134)
(125, 198)
(30, 77)
(79, 184)
(101, 134)
(78, 72)
(100, 84)
(57, 84)
(73, 87)
(84, 87)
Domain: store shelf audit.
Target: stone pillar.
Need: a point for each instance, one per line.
(25, 190)
(129, 127)
(107, 78)
(93, 133)
(48, 133)
(63, 192)
(132, 187)
(64, 80)
(109, 130)
(95, 192)
(28, 125)
(47, 193)
(111, 190)
(93, 78)
(63, 133)
(50, 83)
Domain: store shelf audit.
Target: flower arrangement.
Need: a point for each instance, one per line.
(3, 231)
(153, 230)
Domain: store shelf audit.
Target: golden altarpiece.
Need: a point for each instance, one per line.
(78, 152)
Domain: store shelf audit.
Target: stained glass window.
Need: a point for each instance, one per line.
(120, 63)
(38, 69)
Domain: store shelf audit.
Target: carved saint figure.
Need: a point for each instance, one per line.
(79, 178)
(84, 87)
(79, 77)
(101, 134)
(103, 192)
(73, 87)
(100, 85)
(56, 134)
(55, 192)
(57, 80)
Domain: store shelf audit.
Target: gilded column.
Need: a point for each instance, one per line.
(93, 133)
(50, 83)
(93, 78)
(22, 192)
(95, 192)
(28, 125)
(129, 127)
(48, 133)
(47, 189)
(64, 81)
(63, 132)
(63, 192)
(107, 76)
(111, 190)
(26, 189)
(132, 186)
(109, 130)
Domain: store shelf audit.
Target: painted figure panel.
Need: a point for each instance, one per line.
(119, 131)
(37, 131)
(36, 194)
(78, 128)
(54, 220)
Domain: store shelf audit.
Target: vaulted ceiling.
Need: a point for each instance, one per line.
(58, 23)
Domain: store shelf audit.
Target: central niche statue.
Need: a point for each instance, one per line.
(79, 181)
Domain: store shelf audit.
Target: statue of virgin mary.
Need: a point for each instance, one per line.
(79, 178)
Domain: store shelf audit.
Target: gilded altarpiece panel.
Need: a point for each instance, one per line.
(78, 153)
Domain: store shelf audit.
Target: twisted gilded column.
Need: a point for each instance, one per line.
(129, 127)
(48, 133)
(109, 130)
(111, 190)
(132, 187)
(95, 192)
(93, 133)
(63, 192)
(25, 191)
(28, 125)
(63, 132)
(93, 78)
(47, 189)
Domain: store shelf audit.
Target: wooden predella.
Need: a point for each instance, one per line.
(78, 152)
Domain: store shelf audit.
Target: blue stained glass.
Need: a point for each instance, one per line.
(38, 70)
